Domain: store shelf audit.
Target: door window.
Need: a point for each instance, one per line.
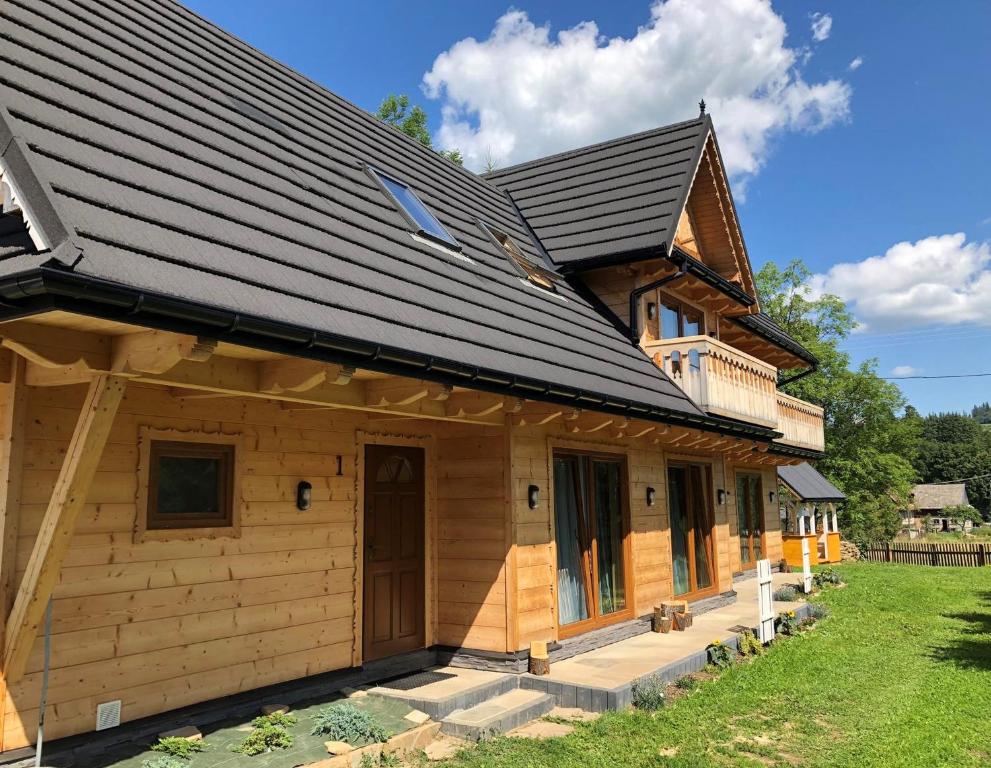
(691, 528)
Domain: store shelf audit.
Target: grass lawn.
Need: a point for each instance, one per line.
(898, 675)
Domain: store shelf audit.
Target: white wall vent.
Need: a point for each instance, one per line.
(107, 715)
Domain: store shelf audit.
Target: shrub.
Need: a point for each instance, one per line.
(177, 746)
(787, 623)
(281, 719)
(749, 644)
(826, 577)
(785, 595)
(687, 683)
(818, 611)
(164, 761)
(648, 693)
(345, 722)
(265, 738)
(721, 655)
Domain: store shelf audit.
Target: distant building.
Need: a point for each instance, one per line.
(929, 500)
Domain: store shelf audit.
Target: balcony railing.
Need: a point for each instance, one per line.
(720, 379)
(724, 381)
(801, 423)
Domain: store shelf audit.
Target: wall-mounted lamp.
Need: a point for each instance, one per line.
(651, 310)
(771, 496)
(340, 466)
(304, 495)
(651, 494)
(721, 496)
(532, 496)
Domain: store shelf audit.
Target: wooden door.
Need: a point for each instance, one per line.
(393, 619)
(691, 521)
(750, 519)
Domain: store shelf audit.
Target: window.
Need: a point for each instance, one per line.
(534, 271)
(413, 209)
(678, 320)
(188, 484)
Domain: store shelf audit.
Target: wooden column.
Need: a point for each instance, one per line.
(68, 497)
(11, 462)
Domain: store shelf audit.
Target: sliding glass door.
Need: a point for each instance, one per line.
(750, 519)
(591, 532)
(691, 529)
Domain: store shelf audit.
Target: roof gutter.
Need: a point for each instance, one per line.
(801, 375)
(636, 293)
(45, 289)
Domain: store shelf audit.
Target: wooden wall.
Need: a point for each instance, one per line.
(164, 624)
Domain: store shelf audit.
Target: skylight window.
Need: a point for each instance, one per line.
(530, 268)
(424, 223)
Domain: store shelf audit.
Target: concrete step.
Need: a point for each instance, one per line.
(498, 715)
(464, 689)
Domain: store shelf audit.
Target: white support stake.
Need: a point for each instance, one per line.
(765, 601)
(806, 568)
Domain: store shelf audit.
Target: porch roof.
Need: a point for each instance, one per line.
(808, 484)
(167, 164)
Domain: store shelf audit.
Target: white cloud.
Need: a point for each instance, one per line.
(939, 280)
(856, 64)
(522, 93)
(822, 25)
(905, 370)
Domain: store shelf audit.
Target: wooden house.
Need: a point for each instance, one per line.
(286, 393)
(929, 501)
(808, 503)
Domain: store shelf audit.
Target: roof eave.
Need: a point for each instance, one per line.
(45, 289)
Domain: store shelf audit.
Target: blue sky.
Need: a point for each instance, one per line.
(896, 152)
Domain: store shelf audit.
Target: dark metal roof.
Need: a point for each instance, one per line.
(591, 205)
(173, 161)
(762, 324)
(808, 484)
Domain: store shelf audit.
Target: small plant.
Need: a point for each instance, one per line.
(687, 683)
(281, 719)
(787, 623)
(164, 761)
(648, 693)
(785, 595)
(818, 611)
(265, 738)
(177, 746)
(826, 577)
(749, 644)
(345, 722)
(721, 655)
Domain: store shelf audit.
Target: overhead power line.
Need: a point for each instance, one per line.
(943, 376)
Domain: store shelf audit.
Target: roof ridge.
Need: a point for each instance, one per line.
(590, 147)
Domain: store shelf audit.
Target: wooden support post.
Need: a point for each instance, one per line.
(68, 497)
(11, 461)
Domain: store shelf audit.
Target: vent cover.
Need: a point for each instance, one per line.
(107, 715)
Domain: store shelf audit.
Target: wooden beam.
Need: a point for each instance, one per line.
(294, 374)
(384, 393)
(11, 463)
(157, 351)
(68, 497)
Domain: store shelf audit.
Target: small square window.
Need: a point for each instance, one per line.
(413, 209)
(534, 271)
(190, 485)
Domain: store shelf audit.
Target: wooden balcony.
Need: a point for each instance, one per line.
(801, 423)
(720, 379)
(724, 381)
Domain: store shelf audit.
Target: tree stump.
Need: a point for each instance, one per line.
(660, 622)
(683, 621)
(540, 662)
(670, 607)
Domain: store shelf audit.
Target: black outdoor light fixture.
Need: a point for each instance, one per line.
(721, 496)
(651, 493)
(771, 496)
(304, 495)
(532, 496)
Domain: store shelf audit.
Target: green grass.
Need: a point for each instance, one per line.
(898, 675)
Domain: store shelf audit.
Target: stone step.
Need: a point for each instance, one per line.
(498, 715)
(465, 689)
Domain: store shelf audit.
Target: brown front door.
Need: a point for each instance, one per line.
(394, 575)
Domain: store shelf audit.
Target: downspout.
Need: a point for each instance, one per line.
(802, 375)
(636, 293)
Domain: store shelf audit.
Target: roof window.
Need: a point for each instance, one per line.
(423, 222)
(530, 268)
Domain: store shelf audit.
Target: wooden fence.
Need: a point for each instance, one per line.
(921, 553)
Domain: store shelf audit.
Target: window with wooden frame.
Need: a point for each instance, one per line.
(188, 482)
(679, 319)
(528, 267)
(592, 526)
